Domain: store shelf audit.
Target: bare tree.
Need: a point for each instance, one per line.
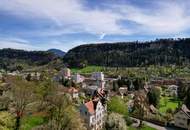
(22, 92)
(63, 115)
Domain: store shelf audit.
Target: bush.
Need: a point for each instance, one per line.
(115, 122)
(6, 121)
(154, 96)
(117, 105)
(128, 121)
(169, 110)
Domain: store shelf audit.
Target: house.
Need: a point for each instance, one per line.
(74, 92)
(163, 82)
(93, 113)
(122, 91)
(77, 78)
(101, 84)
(182, 118)
(66, 72)
(62, 74)
(1, 77)
(172, 90)
(91, 90)
(5, 90)
(31, 76)
(130, 105)
(98, 76)
(14, 73)
(131, 87)
(147, 87)
(35, 76)
(153, 109)
(89, 82)
(93, 82)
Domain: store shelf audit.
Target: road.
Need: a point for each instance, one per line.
(153, 125)
(159, 127)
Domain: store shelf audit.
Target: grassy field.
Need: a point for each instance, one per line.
(31, 121)
(155, 71)
(143, 128)
(166, 103)
(88, 69)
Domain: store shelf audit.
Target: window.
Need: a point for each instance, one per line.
(93, 119)
(1, 92)
(92, 125)
(188, 122)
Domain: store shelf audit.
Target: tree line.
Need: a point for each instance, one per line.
(130, 54)
(12, 59)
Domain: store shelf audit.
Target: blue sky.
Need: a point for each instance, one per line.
(64, 24)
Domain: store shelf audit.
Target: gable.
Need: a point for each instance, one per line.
(181, 114)
(99, 106)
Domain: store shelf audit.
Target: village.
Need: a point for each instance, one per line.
(96, 97)
(94, 65)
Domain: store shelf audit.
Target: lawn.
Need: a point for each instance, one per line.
(31, 121)
(166, 103)
(88, 69)
(145, 127)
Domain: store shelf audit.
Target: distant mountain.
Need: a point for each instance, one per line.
(57, 52)
(129, 54)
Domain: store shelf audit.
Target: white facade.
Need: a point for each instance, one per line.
(62, 74)
(32, 75)
(101, 84)
(93, 117)
(122, 91)
(66, 73)
(75, 95)
(35, 76)
(1, 76)
(77, 78)
(182, 118)
(91, 90)
(98, 76)
(172, 90)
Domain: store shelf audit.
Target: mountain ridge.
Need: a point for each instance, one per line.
(11, 59)
(131, 54)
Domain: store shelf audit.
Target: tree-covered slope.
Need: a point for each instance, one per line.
(159, 52)
(12, 59)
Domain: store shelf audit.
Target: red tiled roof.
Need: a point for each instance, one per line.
(90, 106)
(72, 90)
(185, 110)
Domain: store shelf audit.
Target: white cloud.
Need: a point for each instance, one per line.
(71, 16)
(19, 43)
(102, 36)
(71, 13)
(65, 46)
(16, 43)
(166, 17)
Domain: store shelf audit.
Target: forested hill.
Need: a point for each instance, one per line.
(159, 52)
(12, 58)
